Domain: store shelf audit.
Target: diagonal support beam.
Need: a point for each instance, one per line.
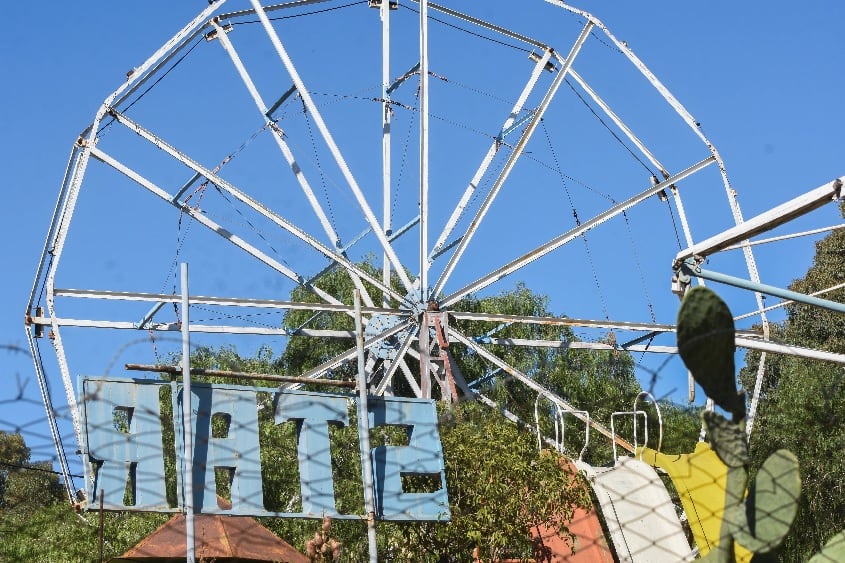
(332, 145)
(349, 354)
(560, 240)
(208, 223)
(387, 381)
(512, 159)
(278, 135)
(256, 206)
(518, 375)
(491, 153)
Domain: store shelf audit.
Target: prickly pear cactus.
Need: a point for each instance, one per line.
(759, 517)
(761, 523)
(706, 345)
(832, 552)
(727, 439)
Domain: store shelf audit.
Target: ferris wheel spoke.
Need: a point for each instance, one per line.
(570, 235)
(212, 225)
(386, 179)
(278, 135)
(518, 375)
(424, 117)
(247, 200)
(618, 121)
(409, 377)
(512, 159)
(679, 204)
(424, 386)
(491, 152)
(197, 216)
(332, 145)
(641, 146)
(365, 295)
(397, 362)
(352, 352)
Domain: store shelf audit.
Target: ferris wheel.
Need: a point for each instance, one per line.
(429, 154)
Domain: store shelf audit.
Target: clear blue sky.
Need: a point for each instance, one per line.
(764, 80)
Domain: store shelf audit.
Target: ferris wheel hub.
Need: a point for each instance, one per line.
(388, 348)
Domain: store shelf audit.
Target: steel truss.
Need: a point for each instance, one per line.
(419, 313)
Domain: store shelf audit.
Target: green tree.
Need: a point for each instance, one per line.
(485, 512)
(37, 523)
(802, 405)
(498, 486)
(24, 485)
(13, 455)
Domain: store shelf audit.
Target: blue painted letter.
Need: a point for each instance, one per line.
(312, 413)
(236, 451)
(422, 456)
(123, 435)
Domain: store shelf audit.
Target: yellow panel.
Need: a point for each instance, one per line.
(700, 479)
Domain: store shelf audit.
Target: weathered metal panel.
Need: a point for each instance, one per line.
(123, 439)
(313, 412)
(238, 451)
(123, 449)
(422, 456)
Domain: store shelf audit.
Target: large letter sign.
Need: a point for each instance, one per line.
(235, 452)
(312, 413)
(123, 424)
(422, 456)
(124, 449)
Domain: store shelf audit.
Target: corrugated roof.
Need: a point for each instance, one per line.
(218, 538)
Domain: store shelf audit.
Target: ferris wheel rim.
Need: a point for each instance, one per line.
(415, 301)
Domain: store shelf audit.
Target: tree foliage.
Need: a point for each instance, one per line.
(487, 458)
(498, 487)
(497, 481)
(24, 485)
(38, 524)
(802, 404)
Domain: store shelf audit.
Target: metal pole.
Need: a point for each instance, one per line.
(514, 156)
(385, 140)
(364, 433)
(423, 150)
(788, 349)
(491, 153)
(187, 427)
(689, 268)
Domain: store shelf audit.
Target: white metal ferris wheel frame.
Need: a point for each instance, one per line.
(424, 289)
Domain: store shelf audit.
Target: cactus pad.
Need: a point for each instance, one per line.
(727, 439)
(761, 524)
(706, 345)
(832, 552)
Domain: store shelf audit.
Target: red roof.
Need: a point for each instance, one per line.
(220, 538)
